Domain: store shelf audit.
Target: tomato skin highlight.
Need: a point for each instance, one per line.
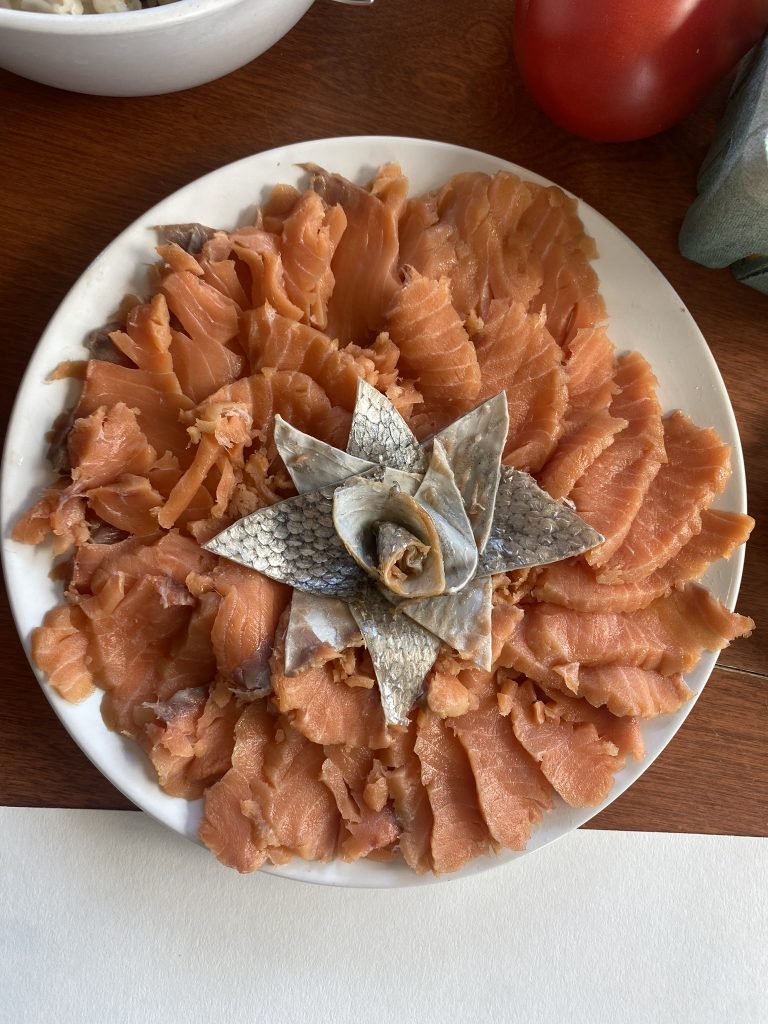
(617, 70)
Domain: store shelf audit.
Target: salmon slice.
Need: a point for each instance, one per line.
(434, 347)
(517, 355)
(347, 771)
(60, 649)
(130, 504)
(558, 245)
(294, 810)
(411, 801)
(459, 832)
(365, 258)
(157, 398)
(222, 275)
(505, 617)
(58, 514)
(105, 445)
(447, 696)
(203, 366)
(191, 662)
(623, 731)
(309, 237)
(233, 838)
(588, 427)
(276, 341)
(573, 584)
(323, 708)
(552, 218)
(147, 335)
(190, 741)
(282, 201)
(467, 232)
(570, 294)
(110, 575)
(171, 555)
(244, 630)
(612, 490)
(130, 629)
(294, 395)
(511, 791)
(203, 311)
(88, 558)
(628, 691)
(574, 759)
(175, 257)
(230, 419)
(697, 468)
(669, 635)
(259, 252)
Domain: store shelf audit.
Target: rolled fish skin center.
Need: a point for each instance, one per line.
(401, 554)
(360, 507)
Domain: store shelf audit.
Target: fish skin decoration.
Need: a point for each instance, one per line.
(394, 542)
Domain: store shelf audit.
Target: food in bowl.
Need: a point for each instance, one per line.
(438, 303)
(81, 6)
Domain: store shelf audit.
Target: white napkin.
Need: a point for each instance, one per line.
(107, 916)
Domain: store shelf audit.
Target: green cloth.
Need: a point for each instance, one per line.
(727, 226)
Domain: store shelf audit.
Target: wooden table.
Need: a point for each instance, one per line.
(77, 169)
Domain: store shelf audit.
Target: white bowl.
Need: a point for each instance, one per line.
(143, 53)
(645, 314)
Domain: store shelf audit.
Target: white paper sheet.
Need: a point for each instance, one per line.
(107, 916)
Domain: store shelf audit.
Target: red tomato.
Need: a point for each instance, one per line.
(614, 70)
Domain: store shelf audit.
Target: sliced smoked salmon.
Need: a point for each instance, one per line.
(669, 635)
(697, 468)
(233, 838)
(365, 258)
(574, 584)
(588, 425)
(157, 398)
(433, 345)
(518, 355)
(612, 489)
(147, 336)
(459, 832)
(323, 708)
(411, 800)
(626, 690)
(106, 444)
(189, 741)
(310, 234)
(60, 649)
(511, 791)
(579, 764)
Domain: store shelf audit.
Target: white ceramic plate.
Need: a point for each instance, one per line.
(645, 314)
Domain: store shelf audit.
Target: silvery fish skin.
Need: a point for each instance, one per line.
(474, 446)
(314, 464)
(295, 542)
(380, 433)
(318, 629)
(401, 651)
(441, 499)
(361, 503)
(530, 528)
(463, 620)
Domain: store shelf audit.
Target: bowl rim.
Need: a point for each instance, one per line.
(117, 21)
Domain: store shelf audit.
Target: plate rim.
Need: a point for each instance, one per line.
(298, 870)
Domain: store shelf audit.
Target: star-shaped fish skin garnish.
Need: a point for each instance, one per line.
(392, 543)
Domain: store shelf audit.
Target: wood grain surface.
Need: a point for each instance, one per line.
(76, 170)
